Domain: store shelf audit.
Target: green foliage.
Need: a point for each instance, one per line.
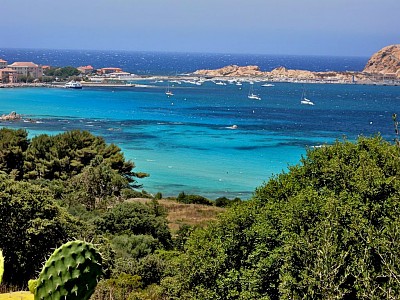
(88, 177)
(182, 235)
(134, 246)
(193, 199)
(98, 186)
(118, 288)
(72, 271)
(65, 155)
(151, 269)
(225, 202)
(130, 193)
(30, 221)
(26, 79)
(13, 144)
(135, 218)
(1, 265)
(396, 130)
(327, 229)
(63, 73)
(32, 285)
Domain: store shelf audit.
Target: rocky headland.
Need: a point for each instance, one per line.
(385, 61)
(382, 68)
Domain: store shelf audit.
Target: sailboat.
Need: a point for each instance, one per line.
(168, 92)
(252, 95)
(304, 99)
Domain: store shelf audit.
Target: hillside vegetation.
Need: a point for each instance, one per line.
(326, 229)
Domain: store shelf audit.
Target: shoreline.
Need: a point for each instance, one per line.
(205, 78)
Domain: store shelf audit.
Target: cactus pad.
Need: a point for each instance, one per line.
(71, 272)
(1, 265)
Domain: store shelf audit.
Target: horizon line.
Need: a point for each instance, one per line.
(183, 52)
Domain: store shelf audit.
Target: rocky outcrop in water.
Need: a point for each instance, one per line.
(232, 71)
(382, 68)
(280, 73)
(385, 61)
(11, 116)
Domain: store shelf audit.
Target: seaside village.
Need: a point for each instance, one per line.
(24, 72)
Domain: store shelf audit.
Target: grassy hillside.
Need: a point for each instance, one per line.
(189, 214)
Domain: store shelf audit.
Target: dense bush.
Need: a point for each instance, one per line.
(193, 199)
(134, 246)
(13, 144)
(82, 173)
(225, 202)
(134, 218)
(63, 72)
(32, 225)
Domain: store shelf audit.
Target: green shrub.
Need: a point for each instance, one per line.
(193, 199)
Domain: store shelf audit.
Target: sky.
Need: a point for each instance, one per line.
(290, 27)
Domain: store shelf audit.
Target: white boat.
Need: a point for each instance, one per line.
(239, 83)
(73, 85)
(253, 96)
(220, 83)
(304, 100)
(307, 101)
(232, 127)
(168, 92)
(267, 84)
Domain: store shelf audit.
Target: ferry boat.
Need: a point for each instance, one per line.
(73, 85)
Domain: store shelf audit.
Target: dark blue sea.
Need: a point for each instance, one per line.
(188, 142)
(165, 63)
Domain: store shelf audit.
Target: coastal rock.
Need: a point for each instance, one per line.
(232, 71)
(288, 73)
(11, 116)
(385, 61)
(383, 67)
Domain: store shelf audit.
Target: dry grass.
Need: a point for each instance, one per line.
(190, 214)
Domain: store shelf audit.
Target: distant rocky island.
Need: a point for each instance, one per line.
(382, 67)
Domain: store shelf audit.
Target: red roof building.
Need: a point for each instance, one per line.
(109, 70)
(27, 69)
(86, 69)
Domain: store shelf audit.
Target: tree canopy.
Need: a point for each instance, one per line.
(31, 225)
(63, 72)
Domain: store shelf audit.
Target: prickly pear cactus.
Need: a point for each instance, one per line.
(71, 272)
(1, 265)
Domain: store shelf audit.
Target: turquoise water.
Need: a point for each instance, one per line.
(186, 142)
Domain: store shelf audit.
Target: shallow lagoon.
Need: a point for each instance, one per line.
(186, 142)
